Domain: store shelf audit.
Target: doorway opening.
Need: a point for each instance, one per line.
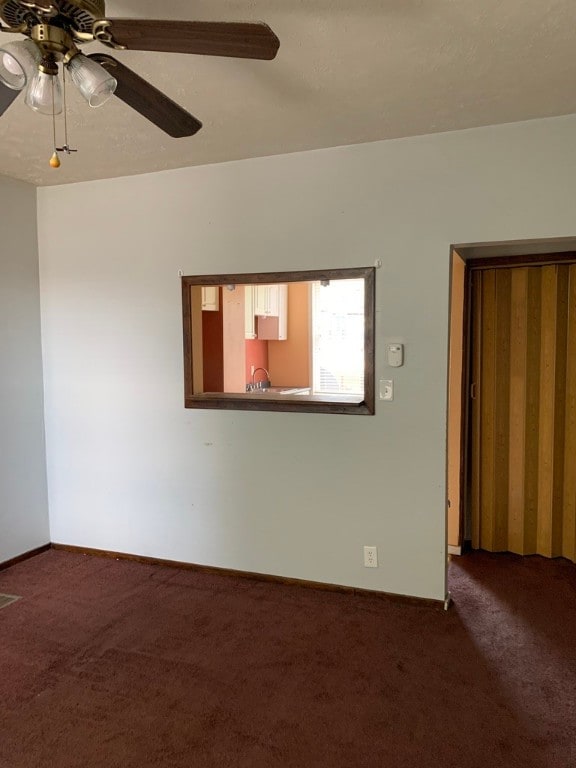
(512, 399)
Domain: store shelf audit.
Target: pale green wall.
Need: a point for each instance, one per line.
(291, 494)
(23, 496)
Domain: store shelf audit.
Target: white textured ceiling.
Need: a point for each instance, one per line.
(348, 71)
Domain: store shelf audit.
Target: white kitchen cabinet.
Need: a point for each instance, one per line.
(273, 325)
(210, 298)
(268, 298)
(249, 312)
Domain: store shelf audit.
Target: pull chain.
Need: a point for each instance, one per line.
(54, 160)
(65, 106)
(66, 147)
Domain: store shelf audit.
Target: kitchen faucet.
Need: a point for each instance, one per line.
(263, 383)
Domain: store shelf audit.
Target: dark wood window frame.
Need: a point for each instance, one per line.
(277, 402)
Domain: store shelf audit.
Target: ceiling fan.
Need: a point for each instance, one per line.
(55, 30)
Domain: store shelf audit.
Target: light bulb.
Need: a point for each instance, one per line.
(94, 83)
(45, 94)
(18, 63)
(11, 64)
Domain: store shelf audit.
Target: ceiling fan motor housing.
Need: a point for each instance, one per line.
(79, 14)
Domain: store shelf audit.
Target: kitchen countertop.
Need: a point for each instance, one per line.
(281, 391)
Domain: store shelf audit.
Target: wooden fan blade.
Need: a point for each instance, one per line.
(210, 38)
(7, 96)
(148, 100)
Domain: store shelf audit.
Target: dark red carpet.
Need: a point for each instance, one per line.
(114, 664)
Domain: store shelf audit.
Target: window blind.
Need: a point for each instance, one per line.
(338, 337)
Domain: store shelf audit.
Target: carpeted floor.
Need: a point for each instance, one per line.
(108, 664)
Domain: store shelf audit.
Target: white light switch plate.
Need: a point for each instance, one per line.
(386, 389)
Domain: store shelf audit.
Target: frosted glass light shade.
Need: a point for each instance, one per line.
(44, 94)
(94, 83)
(18, 63)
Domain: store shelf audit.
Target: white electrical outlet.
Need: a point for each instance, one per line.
(371, 557)
(252, 369)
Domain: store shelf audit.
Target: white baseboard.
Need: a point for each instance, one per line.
(454, 550)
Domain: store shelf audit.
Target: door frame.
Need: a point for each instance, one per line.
(475, 260)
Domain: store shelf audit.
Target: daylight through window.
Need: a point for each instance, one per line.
(338, 337)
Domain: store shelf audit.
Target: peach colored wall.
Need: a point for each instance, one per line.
(257, 356)
(455, 399)
(289, 361)
(233, 322)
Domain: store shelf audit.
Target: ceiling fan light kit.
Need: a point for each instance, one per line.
(19, 62)
(44, 94)
(56, 28)
(94, 83)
